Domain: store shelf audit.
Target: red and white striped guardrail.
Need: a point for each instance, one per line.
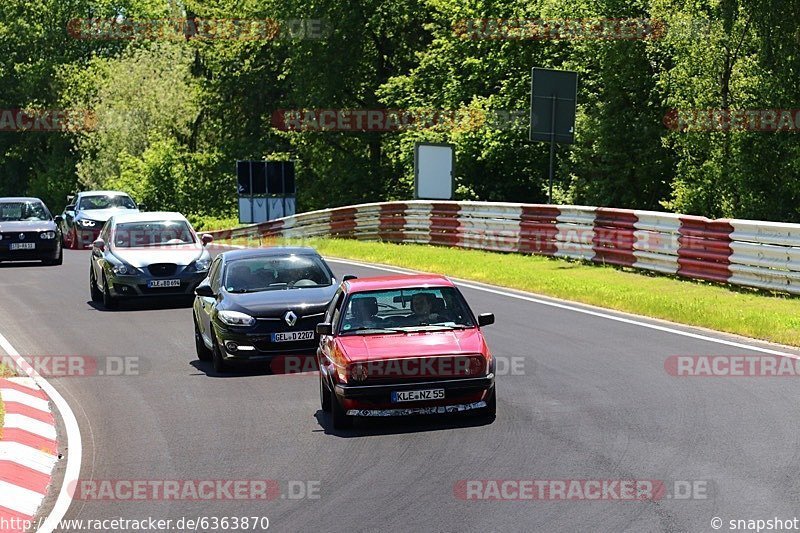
(750, 253)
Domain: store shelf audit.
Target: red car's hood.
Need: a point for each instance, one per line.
(399, 346)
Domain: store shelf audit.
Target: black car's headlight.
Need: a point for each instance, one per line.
(87, 223)
(235, 318)
(47, 235)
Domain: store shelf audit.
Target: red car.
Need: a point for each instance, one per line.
(403, 345)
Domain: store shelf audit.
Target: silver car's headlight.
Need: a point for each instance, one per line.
(47, 235)
(124, 270)
(201, 265)
(235, 318)
(87, 223)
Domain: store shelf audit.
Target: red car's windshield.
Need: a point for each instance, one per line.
(424, 308)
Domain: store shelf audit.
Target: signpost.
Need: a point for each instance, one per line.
(266, 190)
(554, 95)
(434, 164)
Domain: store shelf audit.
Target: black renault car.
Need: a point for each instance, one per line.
(260, 304)
(28, 232)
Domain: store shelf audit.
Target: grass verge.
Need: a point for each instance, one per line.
(755, 314)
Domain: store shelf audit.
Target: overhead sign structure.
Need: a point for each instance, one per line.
(434, 167)
(266, 190)
(554, 98)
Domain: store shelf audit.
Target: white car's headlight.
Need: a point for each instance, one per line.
(235, 318)
(47, 235)
(87, 223)
(201, 265)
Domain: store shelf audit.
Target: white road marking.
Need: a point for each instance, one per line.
(13, 395)
(26, 456)
(31, 425)
(19, 499)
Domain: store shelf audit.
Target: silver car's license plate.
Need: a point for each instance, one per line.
(417, 395)
(293, 336)
(23, 246)
(161, 283)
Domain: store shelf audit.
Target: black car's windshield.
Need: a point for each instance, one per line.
(406, 311)
(118, 201)
(22, 211)
(274, 273)
(162, 233)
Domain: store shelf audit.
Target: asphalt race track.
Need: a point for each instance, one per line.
(588, 399)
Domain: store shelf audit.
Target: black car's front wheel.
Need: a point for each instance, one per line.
(203, 353)
(109, 301)
(219, 364)
(58, 260)
(97, 294)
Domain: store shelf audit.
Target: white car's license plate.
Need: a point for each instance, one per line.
(293, 336)
(23, 246)
(417, 395)
(161, 283)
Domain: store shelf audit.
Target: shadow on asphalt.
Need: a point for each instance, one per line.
(23, 264)
(260, 368)
(398, 425)
(146, 304)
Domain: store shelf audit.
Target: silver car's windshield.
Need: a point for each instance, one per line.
(274, 273)
(161, 233)
(106, 202)
(22, 211)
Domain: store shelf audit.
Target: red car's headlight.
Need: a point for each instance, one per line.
(358, 372)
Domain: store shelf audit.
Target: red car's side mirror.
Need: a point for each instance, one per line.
(325, 328)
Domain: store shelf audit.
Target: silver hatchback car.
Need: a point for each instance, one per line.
(147, 255)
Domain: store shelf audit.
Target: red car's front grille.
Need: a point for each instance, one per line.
(418, 369)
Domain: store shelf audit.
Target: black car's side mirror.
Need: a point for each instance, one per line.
(204, 290)
(70, 207)
(324, 328)
(58, 219)
(348, 277)
(485, 319)
(100, 244)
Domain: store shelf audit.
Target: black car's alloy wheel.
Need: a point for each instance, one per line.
(58, 260)
(203, 353)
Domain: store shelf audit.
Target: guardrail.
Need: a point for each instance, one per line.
(764, 255)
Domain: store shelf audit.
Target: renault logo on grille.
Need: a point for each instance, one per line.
(290, 318)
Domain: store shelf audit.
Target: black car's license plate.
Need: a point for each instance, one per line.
(417, 395)
(293, 336)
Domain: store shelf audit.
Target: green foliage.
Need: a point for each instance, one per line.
(173, 116)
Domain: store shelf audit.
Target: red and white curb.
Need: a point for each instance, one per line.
(28, 451)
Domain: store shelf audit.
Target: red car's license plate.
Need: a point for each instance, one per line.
(417, 395)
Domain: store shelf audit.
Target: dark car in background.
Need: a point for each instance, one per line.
(145, 255)
(261, 304)
(28, 232)
(86, 213)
